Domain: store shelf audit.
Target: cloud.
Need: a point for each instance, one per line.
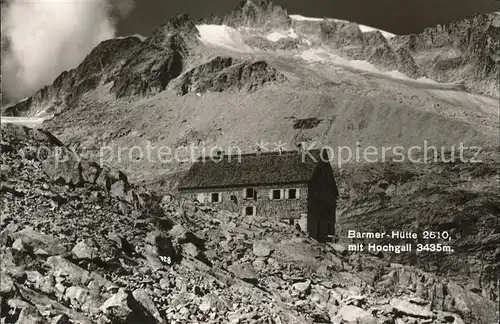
(122, 8)
(42, 38)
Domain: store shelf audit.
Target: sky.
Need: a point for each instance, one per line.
(396, 16)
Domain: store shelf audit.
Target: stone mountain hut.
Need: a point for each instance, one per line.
(297, 187)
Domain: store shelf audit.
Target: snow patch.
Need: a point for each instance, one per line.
(367, 29)
(427, 80)
(323, 56)
(25, 121)
(398, 75)
(320, 55)
(141, 37)
(363, 65)
(302, 18)
(222, 36)
(277, 35)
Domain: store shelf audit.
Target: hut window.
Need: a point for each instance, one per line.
(215, 197)
(276, 194)
(292, 194)
(250, 193)
(250, 211)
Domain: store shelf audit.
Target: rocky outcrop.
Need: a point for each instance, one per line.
(224, 73)
(254, 13)
(138, 68)
(183, 25)
(124, 308)
(262, 43)
(160, 59)
(151, 68)
(339, 33)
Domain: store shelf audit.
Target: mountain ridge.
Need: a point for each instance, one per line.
(474, 62)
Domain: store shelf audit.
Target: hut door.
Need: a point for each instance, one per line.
(201, 198)
(303, 222)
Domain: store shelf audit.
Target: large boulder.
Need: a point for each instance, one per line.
(30, 315)
(262, 248)
(144, 299)
(82, 250)
(63, 166)
(123, 308)
(408, 308)
(356, 315)
(39, 241)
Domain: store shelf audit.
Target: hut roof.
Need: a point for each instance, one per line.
(269, 168)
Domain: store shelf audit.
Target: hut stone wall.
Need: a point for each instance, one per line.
(235, 200)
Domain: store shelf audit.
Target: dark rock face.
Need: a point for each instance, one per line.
(197, 78)
(374, 39)
(382, 55)
(254, 13)
(265, 44)
(386, 58)
(183, 25)
(151, 67)
(406, 63)
(307, 123)
(223, 73)
(340, 33)
(160, 59)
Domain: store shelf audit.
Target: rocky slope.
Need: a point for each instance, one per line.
(81, 245)
(460, 199)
